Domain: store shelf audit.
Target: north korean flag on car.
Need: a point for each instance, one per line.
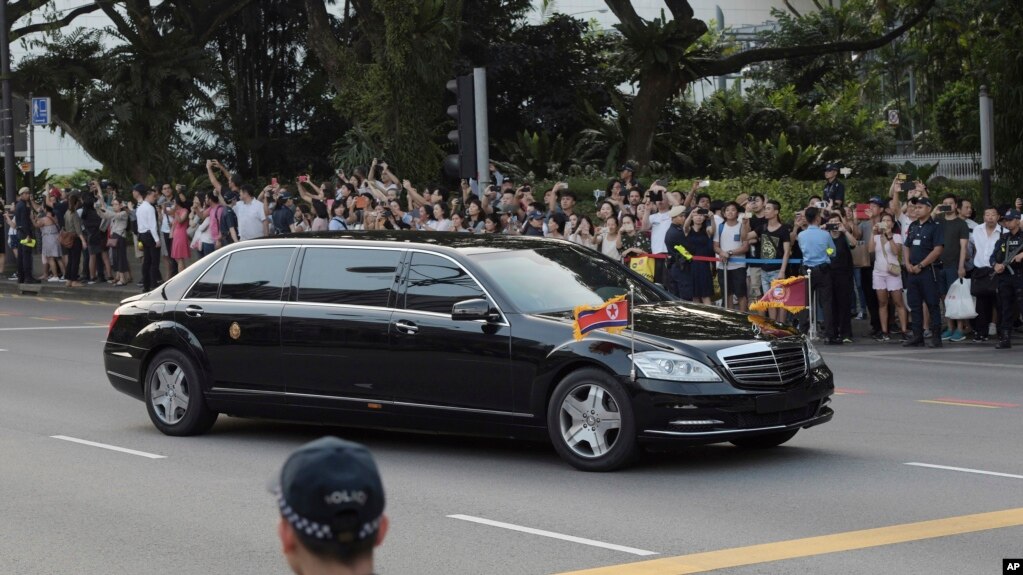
(789, 294)
(612, 316)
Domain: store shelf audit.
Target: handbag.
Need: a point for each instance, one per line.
(984, 282)
(112, 242)
(66, 239)
(644, 266)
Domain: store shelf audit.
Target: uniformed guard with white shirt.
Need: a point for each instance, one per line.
(817, 247)
(1007, 260)
(921, 252)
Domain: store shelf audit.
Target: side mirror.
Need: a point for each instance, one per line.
(472, 310)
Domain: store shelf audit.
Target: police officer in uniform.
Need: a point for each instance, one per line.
(1010, 275)
(818, 247)
(921, 252)
(834, 190)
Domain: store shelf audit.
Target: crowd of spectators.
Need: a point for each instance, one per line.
(886, 260)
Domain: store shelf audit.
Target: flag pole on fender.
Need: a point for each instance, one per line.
(632, 333)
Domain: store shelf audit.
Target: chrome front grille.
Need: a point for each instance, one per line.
(765, 366)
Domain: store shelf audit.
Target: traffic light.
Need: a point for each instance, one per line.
(462, 165)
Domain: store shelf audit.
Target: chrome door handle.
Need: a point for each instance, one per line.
(406, 327)
(193, 311)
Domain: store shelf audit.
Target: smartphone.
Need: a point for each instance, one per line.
(361, 202)
(831, 227)
(300, 178)
(273, 182)
(945, 209)
(908, 186)
(704, 184)
(901, 177)
(821, 205)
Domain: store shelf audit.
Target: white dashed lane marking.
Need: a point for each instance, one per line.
(110, 447)
(553, 535)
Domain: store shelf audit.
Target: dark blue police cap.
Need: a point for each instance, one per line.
(1011, 214)
(330, 492)
(922, 200)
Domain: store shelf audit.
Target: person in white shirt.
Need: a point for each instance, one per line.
(252, 222)
(149, 236)
(982, 244)
(730, 241)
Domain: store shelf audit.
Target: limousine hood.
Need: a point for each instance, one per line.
(697, 324)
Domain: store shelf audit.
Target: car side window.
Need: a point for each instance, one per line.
(208, 285)
(348, 276)
(435, 284)
(256, 274)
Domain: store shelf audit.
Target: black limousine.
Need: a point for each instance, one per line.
(457, 333)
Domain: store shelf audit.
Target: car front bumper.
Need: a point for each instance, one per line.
(711, 413)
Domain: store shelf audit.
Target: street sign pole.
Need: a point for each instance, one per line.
(6, 117)
(32, 146)
(987, 144)
(479, 77)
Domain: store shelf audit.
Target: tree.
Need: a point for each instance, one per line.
(667, 56)
(389, 67)
(125, 104)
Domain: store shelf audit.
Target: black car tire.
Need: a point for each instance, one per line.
(194, 419)
(766, 441)
(593, 384)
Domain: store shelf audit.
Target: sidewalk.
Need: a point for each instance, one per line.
(105, 293)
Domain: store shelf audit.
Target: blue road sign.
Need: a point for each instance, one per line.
(40, 111)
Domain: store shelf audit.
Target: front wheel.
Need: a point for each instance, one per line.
(766, 441)
(590, 421)
(174, 397)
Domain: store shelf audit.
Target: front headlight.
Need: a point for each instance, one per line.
(673, 367)
(813, 357)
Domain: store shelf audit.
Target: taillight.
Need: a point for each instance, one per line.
(113, 321)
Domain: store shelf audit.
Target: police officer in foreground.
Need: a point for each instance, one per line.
(331, 501)
(1007, 261)
(818, 247)
(922, 249)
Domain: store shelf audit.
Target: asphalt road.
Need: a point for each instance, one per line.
(67, 507)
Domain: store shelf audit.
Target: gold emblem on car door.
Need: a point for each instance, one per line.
(235, 331)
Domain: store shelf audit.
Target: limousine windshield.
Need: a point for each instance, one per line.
(547, 280)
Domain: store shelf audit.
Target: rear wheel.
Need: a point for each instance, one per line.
(590, 421)
(174, 397)
(766, 441)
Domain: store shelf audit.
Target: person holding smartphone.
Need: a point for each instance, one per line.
(953, 258)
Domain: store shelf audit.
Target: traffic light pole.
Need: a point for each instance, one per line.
(479, 78)
(6, 114)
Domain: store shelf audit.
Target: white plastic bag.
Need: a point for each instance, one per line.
(959, 304)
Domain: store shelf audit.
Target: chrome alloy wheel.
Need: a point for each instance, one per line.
(590, 420)
(169, 392)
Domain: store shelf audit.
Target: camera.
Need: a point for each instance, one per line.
(703, 211)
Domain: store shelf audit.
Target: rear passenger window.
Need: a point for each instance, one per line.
(256, 274)
(209, 284)
(435, 284)
(348, 276)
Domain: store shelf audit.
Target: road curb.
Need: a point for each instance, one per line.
(102, 294)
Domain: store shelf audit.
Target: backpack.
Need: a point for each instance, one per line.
(228, 222)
